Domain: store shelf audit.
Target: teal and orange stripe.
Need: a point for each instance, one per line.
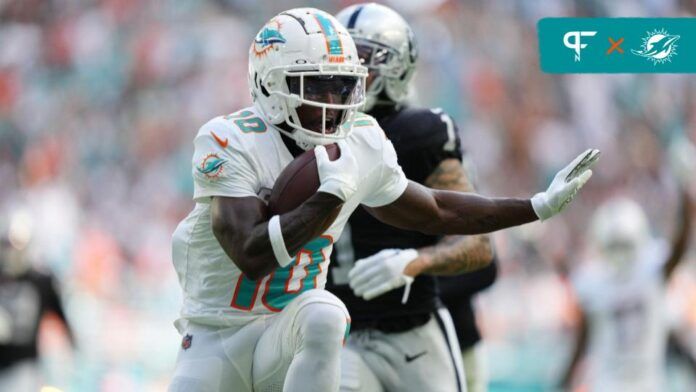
(334, 46)
(347, 331)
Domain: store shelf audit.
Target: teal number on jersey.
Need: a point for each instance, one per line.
(278, 291)
(281, 288)
(253, 124)
(246, 123)
(245, 293)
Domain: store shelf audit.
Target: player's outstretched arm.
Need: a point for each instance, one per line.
(240, 225)
(435, 211)
(393, 268)
(446, 212)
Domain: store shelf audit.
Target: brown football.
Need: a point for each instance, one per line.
(298, 182)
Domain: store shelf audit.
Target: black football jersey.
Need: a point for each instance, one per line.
(24, 300)
(422, 138)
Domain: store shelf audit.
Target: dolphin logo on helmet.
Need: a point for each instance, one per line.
(269, 35)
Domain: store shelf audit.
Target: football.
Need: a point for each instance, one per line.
(298, 181)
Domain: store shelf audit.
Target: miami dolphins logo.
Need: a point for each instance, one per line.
(211, 166)
(658, 47)
(267, 37)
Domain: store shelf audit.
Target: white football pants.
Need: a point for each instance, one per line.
(295, 350)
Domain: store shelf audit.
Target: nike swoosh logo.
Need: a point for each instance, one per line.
(414, 357)
(222, 143)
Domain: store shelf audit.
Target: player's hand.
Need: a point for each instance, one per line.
(682, 160)
(339, 177)
(382, 272)
(565, 185)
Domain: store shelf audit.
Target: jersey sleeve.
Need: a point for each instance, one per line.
(220, 165)
(426, 138)
(391, 182)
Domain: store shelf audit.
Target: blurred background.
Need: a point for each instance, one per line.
(100, 100)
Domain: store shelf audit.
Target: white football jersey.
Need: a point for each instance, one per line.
(240, 155)
(627, 325)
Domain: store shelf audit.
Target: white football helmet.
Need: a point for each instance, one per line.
(305, 57)
(619, 229)
(386, 44)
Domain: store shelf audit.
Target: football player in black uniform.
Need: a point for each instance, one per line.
(402, 337)
(26, 295)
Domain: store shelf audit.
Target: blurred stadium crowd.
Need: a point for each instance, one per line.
(99, 101)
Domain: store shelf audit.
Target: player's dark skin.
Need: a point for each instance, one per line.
(241, 224)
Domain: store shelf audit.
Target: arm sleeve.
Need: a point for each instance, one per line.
(391, 182)
(221, 170)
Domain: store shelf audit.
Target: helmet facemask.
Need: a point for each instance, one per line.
(319, 101)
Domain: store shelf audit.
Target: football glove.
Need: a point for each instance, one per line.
(565, 185)
(339, 177)
(382, 272)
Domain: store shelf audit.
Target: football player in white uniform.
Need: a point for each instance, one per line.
(254, 317)
(623, 327)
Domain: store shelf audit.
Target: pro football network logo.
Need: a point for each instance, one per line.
(269, 35)
(212, 166)
(576, 45)
(658, 46)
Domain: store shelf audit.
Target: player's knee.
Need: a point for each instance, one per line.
(324, 325)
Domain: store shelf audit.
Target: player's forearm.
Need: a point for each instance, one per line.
(299, 226)
(578, 352)
(680, 241)
(452, 255)
(309, 220)
(241, 227)
(468, 213)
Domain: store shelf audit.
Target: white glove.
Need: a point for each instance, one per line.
(382, 272)
(565, 185)
(339, 177)
(682, 159)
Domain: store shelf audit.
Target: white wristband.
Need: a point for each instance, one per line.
(277, 242)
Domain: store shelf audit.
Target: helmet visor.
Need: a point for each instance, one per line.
(338, 90)
(378, 57)
(325, 99)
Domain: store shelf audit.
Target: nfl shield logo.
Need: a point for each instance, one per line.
(186, 342)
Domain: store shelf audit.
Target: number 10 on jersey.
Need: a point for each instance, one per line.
(286, 283)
